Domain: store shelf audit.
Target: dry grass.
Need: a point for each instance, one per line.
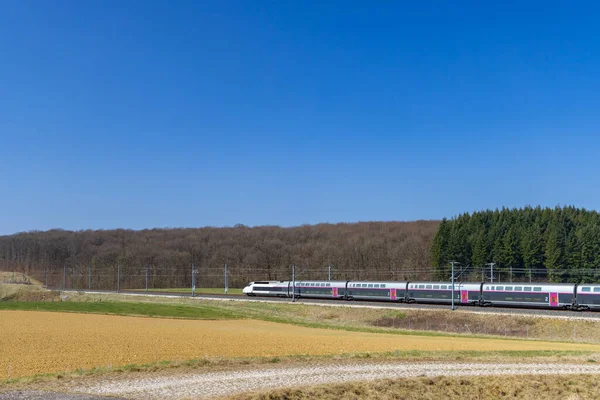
(25, 288)
(461, 322)
(20, 292)
(41, 342)
(460, 388)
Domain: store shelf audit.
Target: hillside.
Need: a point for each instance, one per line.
(376, 250)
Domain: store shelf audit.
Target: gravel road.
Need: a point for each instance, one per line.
(207, 385)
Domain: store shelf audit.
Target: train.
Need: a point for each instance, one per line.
(567, 296)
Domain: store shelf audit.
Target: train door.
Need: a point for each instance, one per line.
(553, 299)
(464, 296)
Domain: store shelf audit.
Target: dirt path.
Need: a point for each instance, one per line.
(207, 385)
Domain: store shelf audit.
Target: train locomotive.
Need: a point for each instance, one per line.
(568, 296)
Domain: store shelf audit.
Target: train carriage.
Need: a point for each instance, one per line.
(319, 289)
(387, 291)
(558, 295)
(588, 296)
(441, 292)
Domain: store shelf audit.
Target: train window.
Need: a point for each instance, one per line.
(491, 288)
(597, 289)
(443, 287)
(329, 284)
(364, 285)
(527, 288)
(518, 288)
(370, 285)
(537, 289)
(383, 285)
(421, 286)
(586, 289)
(376, 285)
(436, 286)
(508, 288)
(428, 287)
(499, 287)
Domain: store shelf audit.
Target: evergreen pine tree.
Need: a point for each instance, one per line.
(532, 248)
(554, 251)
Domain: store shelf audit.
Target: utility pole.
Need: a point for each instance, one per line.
(89, 276)
(65, 277)
(193, 281)
(226, 284)
(453, 262)
(293, 283)
(46, 276)
(492, 271)
(329, 272)
(118, 278)
(146, 277)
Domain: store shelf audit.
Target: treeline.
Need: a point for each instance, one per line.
(560, 244)
(360, 250)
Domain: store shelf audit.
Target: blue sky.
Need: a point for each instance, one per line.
(140, 114)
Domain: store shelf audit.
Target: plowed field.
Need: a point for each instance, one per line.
(40, 342)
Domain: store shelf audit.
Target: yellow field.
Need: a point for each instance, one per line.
(41, 342)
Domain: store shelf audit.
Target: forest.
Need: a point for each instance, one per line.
(560, 244)
(107, 259)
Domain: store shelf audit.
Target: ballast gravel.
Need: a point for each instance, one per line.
(207, 385)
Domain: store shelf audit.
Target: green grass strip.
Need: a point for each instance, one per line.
(125, 308)
(230, 291)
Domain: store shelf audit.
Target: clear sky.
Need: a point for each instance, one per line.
(141, 114)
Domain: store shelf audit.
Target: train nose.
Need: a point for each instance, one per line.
(247, 289)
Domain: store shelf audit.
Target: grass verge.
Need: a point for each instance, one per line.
(126, 308)
(230, 291)
(540, 387)
(413, 322)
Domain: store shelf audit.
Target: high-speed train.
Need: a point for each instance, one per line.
(568, 296)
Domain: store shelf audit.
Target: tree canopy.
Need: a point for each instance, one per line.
(561, 244)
